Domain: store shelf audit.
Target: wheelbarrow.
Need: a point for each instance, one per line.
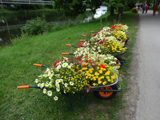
(105, 92)
(119, 58)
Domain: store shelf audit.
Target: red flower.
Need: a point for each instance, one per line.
(113, 26)
(80, 61)
(100, 42)
(90, 60)
(77, 57)
(86, 56)
(102, 66)
(116, 30)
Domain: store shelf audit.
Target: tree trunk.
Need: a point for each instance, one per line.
(120, 12)
(111, 10)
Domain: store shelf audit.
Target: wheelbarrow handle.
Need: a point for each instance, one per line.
(68, 45)
(67, 53)
(71, 45)
(93, 31)
(40, 65)
(23, 87)
(84, 35)
(27, 86)
(82, 40)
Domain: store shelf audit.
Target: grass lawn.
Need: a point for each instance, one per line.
(17, 69)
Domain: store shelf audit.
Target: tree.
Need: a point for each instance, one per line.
(75, 7)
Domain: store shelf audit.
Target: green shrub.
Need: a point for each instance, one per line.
(36, 26)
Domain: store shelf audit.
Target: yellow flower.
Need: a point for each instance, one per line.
(104, 83)
(107, 73)
(100, 71)
(96, 73)
(94, 84)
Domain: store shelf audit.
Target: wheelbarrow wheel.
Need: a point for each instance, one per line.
(119, 59)
(106, 95)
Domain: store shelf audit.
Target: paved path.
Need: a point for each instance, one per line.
(148, 47)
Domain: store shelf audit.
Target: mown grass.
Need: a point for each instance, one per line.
(17, 68)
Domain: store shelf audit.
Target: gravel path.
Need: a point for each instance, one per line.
(148, 77)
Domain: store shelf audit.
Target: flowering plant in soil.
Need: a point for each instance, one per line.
(111, 47)
(121, 36)
(95, 54)
(99, 36)
(117, 30)
(61, 77)
(98, 74)
(66, 76)
(119, 27)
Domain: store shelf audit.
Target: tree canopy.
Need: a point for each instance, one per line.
(75, 7)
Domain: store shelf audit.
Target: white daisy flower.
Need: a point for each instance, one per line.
(36, 81)
(69, 67)
(49, 93)
(47, 84)
(64, 64)
(55, 98)
(66, 84)
(71, 83)
(44, 91)
(57, 81)
(61, 80)
(42, 85)
(58, 67)
(57, 85)
(57, 89)
(39, 84)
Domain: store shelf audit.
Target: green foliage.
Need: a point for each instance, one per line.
(115, 3)
(36, 26)
(75, 7)
(131, 4)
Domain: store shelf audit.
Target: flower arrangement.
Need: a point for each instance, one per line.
(117, 30)
(119, 27)
(109, 45)
(112, 47)
(120, 35)
(65, 76)
(99, 36)
(93, 65)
